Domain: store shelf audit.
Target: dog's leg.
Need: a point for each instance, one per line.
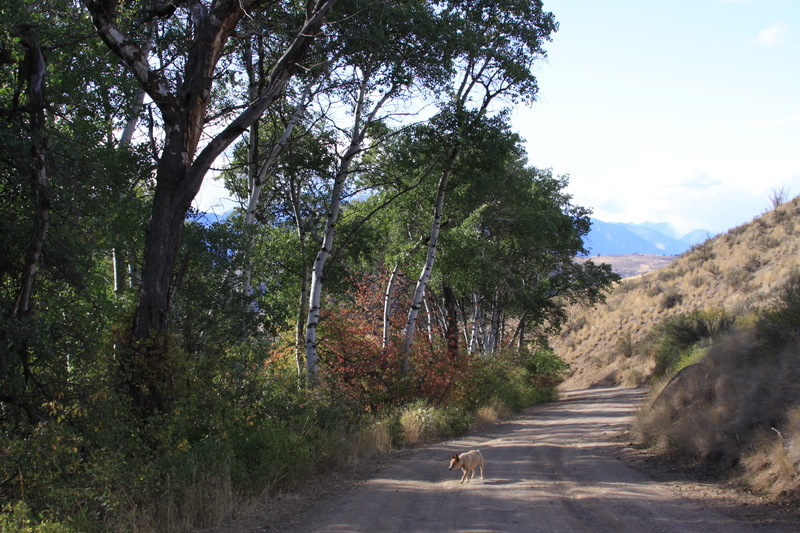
(464, 477)
(481, 471)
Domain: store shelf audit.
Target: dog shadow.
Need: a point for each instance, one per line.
(495, 481)
(501, 481)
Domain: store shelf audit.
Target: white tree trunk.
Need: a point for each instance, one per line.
(427, 268)
(315, 293)
(388, 303)
(357, 135)
(476, 330)
(429, 319)
(257, 178)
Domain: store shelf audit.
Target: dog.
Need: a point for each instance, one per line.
(467, 462)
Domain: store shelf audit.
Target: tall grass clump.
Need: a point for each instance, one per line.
(772, 464)
(420, 422)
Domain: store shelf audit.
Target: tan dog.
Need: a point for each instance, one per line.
(467, 462)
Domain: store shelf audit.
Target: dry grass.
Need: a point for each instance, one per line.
(374, 439)
(490, 413)
(737, 272)
(201, 504)
(773, 465)
(419, 424)
(731, 408)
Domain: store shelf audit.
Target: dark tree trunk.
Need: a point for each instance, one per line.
(161, 249)
(451, 322)
(32, 70)
(147, 366)
(16, 360)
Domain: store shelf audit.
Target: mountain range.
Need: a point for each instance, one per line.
(604, 238)
(652, 238)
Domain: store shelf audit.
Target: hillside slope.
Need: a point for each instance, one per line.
(738, 271)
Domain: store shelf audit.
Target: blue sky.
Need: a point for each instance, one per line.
(679, 111)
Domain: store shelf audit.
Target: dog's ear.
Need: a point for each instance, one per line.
(455, 457)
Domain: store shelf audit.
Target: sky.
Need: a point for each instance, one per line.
(677, 111)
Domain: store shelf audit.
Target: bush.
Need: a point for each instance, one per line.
(679, 335)
(420, 423)
(625, 345)
(18, 518)
(513, 379)
(671, 299)
(779, 325)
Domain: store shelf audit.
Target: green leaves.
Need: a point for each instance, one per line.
(498, 44)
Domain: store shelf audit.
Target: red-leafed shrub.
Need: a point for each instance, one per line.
(354, 360)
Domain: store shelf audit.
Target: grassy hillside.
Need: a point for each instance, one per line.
(716, 335)
(738, 272)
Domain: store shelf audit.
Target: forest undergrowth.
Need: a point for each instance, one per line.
(243, 430)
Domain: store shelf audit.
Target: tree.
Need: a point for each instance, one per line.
(64, 203)
(32, 74)
(507, 249)
(512, 256)
(191, 46)
(17, 364)
(497, 45)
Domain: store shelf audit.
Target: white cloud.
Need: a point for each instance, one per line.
(713, 191)
(699, 181)
(787, 120)
(213, 197)
(772, 35)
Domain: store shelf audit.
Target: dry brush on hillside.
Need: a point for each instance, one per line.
(736, 272)
(716, 334)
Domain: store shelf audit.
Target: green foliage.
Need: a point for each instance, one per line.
(210, 309)
(92, 464)
(546, 369)
(680, 336)
(516, 380)
(779, 325)
(18, 518)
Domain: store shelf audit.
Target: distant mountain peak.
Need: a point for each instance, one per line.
(651, 238)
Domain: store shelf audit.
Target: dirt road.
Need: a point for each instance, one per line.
(559, 467)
